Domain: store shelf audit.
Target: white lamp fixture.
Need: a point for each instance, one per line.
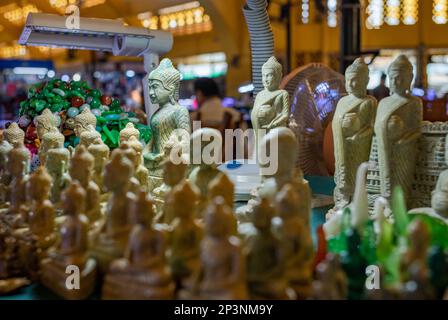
(42, 29)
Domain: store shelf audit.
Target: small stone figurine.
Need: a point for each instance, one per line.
(81, 169)
(331, 281)
(128, 132)
(89, 137)
(131, 154)
(14, 134)
(397, 129)
(222, 275)
(100, 152)
(164, 91)
(18, 166)
(207, 169)
(84, 121)
(57, 161)
(265, 265)
(271, 106)
(50, 140)
(294, 231)
(5, 176)
(221, 186)
(71, 249)
(439, 199)
(173, 174)
(186, 235)
(141, 172)
(143, 272)
(353, 123)
(45, 122)
(112, 241)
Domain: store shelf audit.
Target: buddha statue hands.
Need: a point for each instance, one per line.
(169, 120)
(143, 272)
(222, 274)
(71, 250)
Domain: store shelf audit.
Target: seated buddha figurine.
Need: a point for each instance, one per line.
(113, 238)
(271, 107)
(397, 129)
(164, 91)
(84, 121)
(18, 167)
(353, 123)
(295, 233)
(71, 250)
(265, 266)
(207, 164)
(100, 153)
(50, 140)
(89, 136)
(14, 135)
(128, 132)
(222, 274)
(57, 162)
(81, 169)
(41, 220)
(132, 156)
(5, 177)
(45, 122)
(185, 236)
(173, 174)
(143, 272)
(141, 172)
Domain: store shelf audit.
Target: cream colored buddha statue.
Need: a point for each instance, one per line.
(173, 174)
(397, 129)
(14, 134)
(128, 132)
(71, 250)
(40, 236)
(100, 153)
(143, 272)
(185, 236)
(50, 140)
(86, 120)
(265, 265)
(207, 162)
(18, 166)
(222, 274)
(295, 233)
(89, 136)
(271, 107)
(141, 172)
(45, 122)
(353, 123)
(5, 176)
(57, 162)
(164, 91)
(112, 241)
(81, 169)
(133, 157)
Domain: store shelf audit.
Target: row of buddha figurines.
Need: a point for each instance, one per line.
(395, 123)
(138, 259)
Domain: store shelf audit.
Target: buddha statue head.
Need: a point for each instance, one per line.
(39, 185)
(81, 165)
(278, 152)
(117, 172)
(217, 218)
(90, 136)
(5, 147)
(142, 209)
(271, 73)
(173, 173)
(400, 73)
(44, 123)
(19, 160)
(164, 83)
(262, 214)
(128, 132)
(357, 78)
(74, 199)
(183, 200)
(14, 135)
(222, 186)
(83, 120)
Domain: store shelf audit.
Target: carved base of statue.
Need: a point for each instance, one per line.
(54, 276)
(131, 283)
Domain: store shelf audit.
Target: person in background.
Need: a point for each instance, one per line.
(211, 112)
(381, 91)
